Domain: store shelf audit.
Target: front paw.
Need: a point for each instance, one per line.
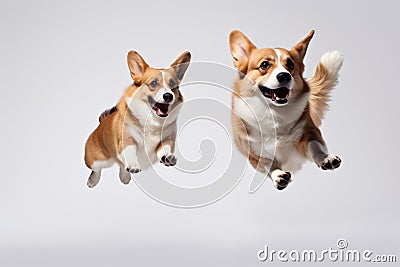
(331, 162)
(281, 179)
(168, 160)
(133, 168)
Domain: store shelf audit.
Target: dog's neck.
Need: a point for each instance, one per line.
(286, 117)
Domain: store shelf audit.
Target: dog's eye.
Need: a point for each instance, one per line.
(265, 65)
(172, 83)
(154, 84)
(289, 64)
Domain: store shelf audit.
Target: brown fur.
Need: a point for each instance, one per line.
(112, 135)
(321, 85)
(247, 58)
(106, 140)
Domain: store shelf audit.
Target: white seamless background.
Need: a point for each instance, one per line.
(63, 62)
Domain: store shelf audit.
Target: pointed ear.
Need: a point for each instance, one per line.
(137, 66)
(301, 48)
(241, 48)
(181, 64)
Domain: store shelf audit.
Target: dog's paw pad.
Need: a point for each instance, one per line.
(281, 178)
(133, 170)
(168, 160)
(331, 162)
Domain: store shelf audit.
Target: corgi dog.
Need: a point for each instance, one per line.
(276, 113)
(136, 132)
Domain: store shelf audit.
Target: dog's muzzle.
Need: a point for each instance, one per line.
(279, 95)
(161, 109)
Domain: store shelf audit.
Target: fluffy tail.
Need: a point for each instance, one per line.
(107, 113)
(321, 84)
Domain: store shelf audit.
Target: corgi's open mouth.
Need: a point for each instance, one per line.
(279, 95)
(161, 109)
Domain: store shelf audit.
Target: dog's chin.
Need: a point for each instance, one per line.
(160, 109)
(280, 103)
(278, 96)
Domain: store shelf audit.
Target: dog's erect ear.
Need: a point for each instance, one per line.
(181, 64)
(241, 48)
(137, 66)
(301, 48)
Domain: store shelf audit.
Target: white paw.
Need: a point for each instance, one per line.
(168, 160)
(331, 162)
(332, 61)
(133, 168)
(281, 179)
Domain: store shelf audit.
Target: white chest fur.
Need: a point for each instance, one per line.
(273, 132)
(148, 135)
(148, 139)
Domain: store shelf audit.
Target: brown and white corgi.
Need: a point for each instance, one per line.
(276, 114)
(136, 132)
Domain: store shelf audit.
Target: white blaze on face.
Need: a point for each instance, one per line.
(272, 81)
(163, 90)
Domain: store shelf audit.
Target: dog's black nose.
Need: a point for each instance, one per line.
(283, 77)
(168, 97)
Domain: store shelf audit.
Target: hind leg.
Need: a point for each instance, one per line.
(124, 175)
(93, 179)
(96, 167)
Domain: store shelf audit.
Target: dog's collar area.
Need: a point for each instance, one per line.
(161, 109)
(280, 95)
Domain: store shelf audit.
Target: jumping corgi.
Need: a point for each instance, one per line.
(276, 114)
(136, 132)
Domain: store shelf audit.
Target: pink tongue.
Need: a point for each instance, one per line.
(281, 97)
(281, 92)
(160, 112)
(162, 108)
